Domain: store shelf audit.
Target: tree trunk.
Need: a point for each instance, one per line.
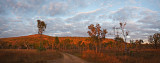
(96, 49)
(99, 46)
(156, 44)
(125, 46)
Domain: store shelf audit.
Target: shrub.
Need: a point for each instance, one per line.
(41, 48)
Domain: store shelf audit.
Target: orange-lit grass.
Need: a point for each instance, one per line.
(27, 56)
(113, 56)
(91, 56)
(140, 56)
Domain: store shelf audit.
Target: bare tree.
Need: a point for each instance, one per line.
(97, 35)
(124, 34)
(116, 30)
(155, 39)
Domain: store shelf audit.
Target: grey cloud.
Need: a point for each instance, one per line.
(124, 14)
(141, 22)
(3, 26)
(151, 21)
(54, 9)
(12, 27)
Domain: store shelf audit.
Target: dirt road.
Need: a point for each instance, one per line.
(68, 58)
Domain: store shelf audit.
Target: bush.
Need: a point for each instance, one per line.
(41, 48)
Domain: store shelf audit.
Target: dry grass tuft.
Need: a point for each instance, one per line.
(91, 56)
(27, 56)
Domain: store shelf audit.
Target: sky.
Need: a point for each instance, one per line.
(72, 17)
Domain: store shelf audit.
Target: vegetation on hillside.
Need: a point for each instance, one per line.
(96, 48)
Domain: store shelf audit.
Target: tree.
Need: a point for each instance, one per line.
(119, 42)
(67, 43)
(110, 43)
(118, 39)
(41, 26)
(79, 45)
(83, 46)
(26, 44)
(96, 35)
(3, 44)
(56, 41)
(41, 48)
(124, 34)
(91, 46)
(132, 43)
(139, 42)
(155, 39)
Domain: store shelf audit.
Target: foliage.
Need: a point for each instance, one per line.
(118, 39)
(79, 43)
(96, 35)
(91, 46)
(56, 41)
(3, 44)
(41, 47)
(83, 45)
(154, 39)
(105, 44)
(139, 42)
(41, 26)
(67, 43)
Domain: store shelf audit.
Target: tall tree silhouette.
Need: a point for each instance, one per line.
(97, 35)
(124, 33)
(41, 26)
(155, 39)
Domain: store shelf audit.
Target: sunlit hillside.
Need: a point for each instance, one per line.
(36, 39)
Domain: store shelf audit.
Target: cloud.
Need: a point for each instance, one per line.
(141, 22)
(72, 17)
(133, 1)
(12, 27)
(54, 9)
(124, 14)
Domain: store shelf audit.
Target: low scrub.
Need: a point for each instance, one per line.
(91, 56)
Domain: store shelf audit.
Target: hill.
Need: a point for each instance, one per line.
(37, 38)
(33, 41)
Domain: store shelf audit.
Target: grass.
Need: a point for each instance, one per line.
(107, 56)
(142, 56)
(27, 56)
(112, 56)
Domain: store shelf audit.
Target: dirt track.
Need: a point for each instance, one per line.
(68, 58)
